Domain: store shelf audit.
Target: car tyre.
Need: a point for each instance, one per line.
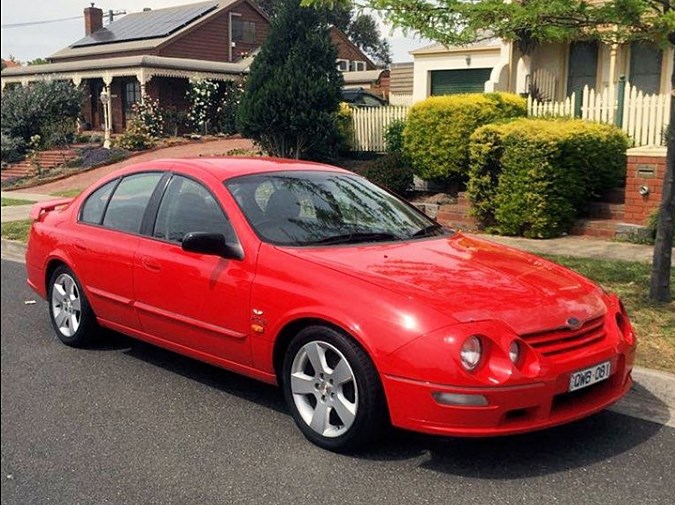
(69, 311)
(333, 390)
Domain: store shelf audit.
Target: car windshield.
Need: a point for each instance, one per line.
(326, 208)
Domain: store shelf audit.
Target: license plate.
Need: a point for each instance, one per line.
(589, 376)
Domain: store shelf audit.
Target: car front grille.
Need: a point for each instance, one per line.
(562, 340)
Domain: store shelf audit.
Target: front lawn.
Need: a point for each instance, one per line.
(654, 322)
(67, 193)
(16, 230)
(11, 202)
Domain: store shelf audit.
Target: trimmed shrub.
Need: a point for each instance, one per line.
(393, 137)
(345, 127)
(437, 130)
(391, 171)
(44, 108)
(136, 137)
(532, 177)
(13, 148)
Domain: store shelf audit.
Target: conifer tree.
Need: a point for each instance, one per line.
(293, 90)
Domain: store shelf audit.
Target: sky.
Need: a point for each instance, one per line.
(26, 43)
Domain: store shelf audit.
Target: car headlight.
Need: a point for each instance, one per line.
(514, 352)
(470, 353)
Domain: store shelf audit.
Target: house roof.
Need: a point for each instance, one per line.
(127, 33)
(147, 24)
(123, 62)
(362, 76)
(482, 45)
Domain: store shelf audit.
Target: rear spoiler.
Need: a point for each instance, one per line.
(41, 208)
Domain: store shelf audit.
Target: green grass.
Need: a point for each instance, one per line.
(653, 322)
(11, 202)
(67, 193)
(16, 230)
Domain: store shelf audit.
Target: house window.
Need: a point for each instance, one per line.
(132, 95)
(358, 66)
(243, 31)
(645, 67)
(343, 65)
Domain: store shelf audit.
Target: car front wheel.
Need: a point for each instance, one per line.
(333, 390)
(71, 316)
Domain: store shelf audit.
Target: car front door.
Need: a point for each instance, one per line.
(194, 301)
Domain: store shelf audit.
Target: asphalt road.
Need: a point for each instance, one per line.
(128, 423)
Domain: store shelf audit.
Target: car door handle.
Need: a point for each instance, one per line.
(151, 264)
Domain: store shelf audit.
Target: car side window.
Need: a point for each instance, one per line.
(94, 207)
(187, 206)
(129, 201)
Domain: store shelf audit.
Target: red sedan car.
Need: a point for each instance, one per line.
(361, 308)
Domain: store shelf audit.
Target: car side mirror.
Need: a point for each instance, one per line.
(213, 244)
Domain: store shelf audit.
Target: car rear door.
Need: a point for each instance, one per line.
(195, 301)
(105, 240)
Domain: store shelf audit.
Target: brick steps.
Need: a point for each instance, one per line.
(600, 228)
(606, 210)
(46, 160)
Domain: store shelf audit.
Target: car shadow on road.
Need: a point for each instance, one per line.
(595, 439)
(576, 445)
(228, 382)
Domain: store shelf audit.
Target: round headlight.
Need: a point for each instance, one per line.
(514, 352)
(471, 352)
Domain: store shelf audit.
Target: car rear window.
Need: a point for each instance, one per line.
(127, 205)
(93, 209)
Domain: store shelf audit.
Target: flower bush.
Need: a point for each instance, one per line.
(203, 105)
(148, 112)
(231, 93)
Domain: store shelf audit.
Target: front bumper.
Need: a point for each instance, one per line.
(511, 409)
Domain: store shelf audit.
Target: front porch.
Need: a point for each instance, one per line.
(127, 80)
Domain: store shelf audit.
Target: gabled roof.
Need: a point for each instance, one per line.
(485, 44)
(146, 30)
(147, 24)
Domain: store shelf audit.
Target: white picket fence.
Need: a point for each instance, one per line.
(545, 82)
(370, 124)
(645, 117)
(405, 99)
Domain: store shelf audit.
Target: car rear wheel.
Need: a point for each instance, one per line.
(333, 390)
(71, 316)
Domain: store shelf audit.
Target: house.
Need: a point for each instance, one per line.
(156, 52)
(552, 70)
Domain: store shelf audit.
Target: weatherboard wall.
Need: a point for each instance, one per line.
(210, 40)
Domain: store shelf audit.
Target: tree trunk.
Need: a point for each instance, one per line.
(663, 246)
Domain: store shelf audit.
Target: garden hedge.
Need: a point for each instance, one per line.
(533, 177)
(437, 130)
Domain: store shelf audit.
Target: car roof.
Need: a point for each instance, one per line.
(229, 167)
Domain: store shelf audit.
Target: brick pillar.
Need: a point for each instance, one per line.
(644, 182)
(93, 19)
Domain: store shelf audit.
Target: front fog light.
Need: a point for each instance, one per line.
(471, 352)
(514, 352)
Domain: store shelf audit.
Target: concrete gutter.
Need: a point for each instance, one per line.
(652, 397)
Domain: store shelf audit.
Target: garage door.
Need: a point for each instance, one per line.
(447, 82)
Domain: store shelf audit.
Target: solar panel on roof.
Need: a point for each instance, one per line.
(147, 25)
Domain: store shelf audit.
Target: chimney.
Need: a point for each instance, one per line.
(93, 19)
